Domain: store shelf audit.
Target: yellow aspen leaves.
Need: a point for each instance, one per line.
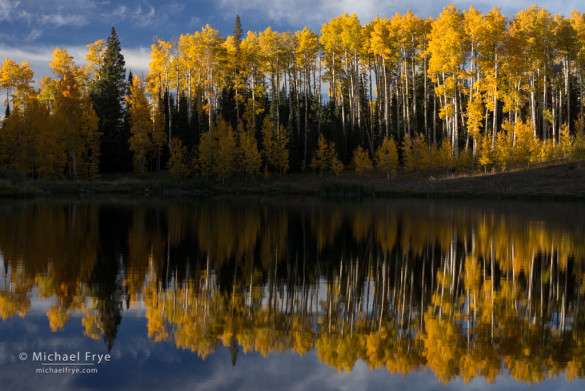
(178, 165)
(361, 161)
(461, 79)
(16, 80)
(95, 56)
(249, 155)
(416, 153)
(274, 147)
(387, 157)
(325, 158)
(141, 126)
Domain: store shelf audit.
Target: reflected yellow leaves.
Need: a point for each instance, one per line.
(464, 291)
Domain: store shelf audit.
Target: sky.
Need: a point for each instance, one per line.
(138, 363)
(31, 29)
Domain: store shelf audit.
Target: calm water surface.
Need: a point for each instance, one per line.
(291, 294)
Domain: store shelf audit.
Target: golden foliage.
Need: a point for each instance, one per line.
(387, 157)
(416, 153)
(361, 161)
(177, 164)
(325, 158)
(140, 125)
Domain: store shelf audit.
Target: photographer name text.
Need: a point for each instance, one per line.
(77, 357)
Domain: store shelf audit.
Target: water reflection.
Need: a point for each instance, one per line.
(464, 290)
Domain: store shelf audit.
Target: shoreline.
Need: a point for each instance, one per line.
(556, 181)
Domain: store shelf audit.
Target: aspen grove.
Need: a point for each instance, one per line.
(461, 91)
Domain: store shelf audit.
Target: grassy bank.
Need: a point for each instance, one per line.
(553, 181)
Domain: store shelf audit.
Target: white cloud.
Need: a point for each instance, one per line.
(6, 8)
(57, 13)
(147, 17)
(34, 34)
(59, 20)
(195, 21)
(39, 57)
(314, 13)
(510, 8)
(119, 12)
(30, 54)
(143, 14)
(137, 60)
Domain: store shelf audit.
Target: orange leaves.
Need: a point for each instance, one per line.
(62, 62)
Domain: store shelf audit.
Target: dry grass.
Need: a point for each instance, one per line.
(562, 180)
(552, 181)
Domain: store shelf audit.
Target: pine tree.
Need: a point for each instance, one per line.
(238, 31)
(159, 136)
(108, 94)
(127, 104)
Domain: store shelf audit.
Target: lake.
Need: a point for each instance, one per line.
(291, 294)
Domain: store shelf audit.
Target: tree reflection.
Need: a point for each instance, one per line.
(462, 290)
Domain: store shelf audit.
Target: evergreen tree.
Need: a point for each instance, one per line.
(129, 83)
(127, 104)
(108, 95)
(159, 136)
(238, 32)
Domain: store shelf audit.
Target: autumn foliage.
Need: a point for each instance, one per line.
(464, 90)
(469, 291)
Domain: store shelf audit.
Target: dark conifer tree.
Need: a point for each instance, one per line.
(129, 83)
(108, 93)
(127, 124)
(238, 32)
(181, 122)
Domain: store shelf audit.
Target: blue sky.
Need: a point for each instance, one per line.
(31, 29)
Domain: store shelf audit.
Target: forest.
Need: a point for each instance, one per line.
(463, 91)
